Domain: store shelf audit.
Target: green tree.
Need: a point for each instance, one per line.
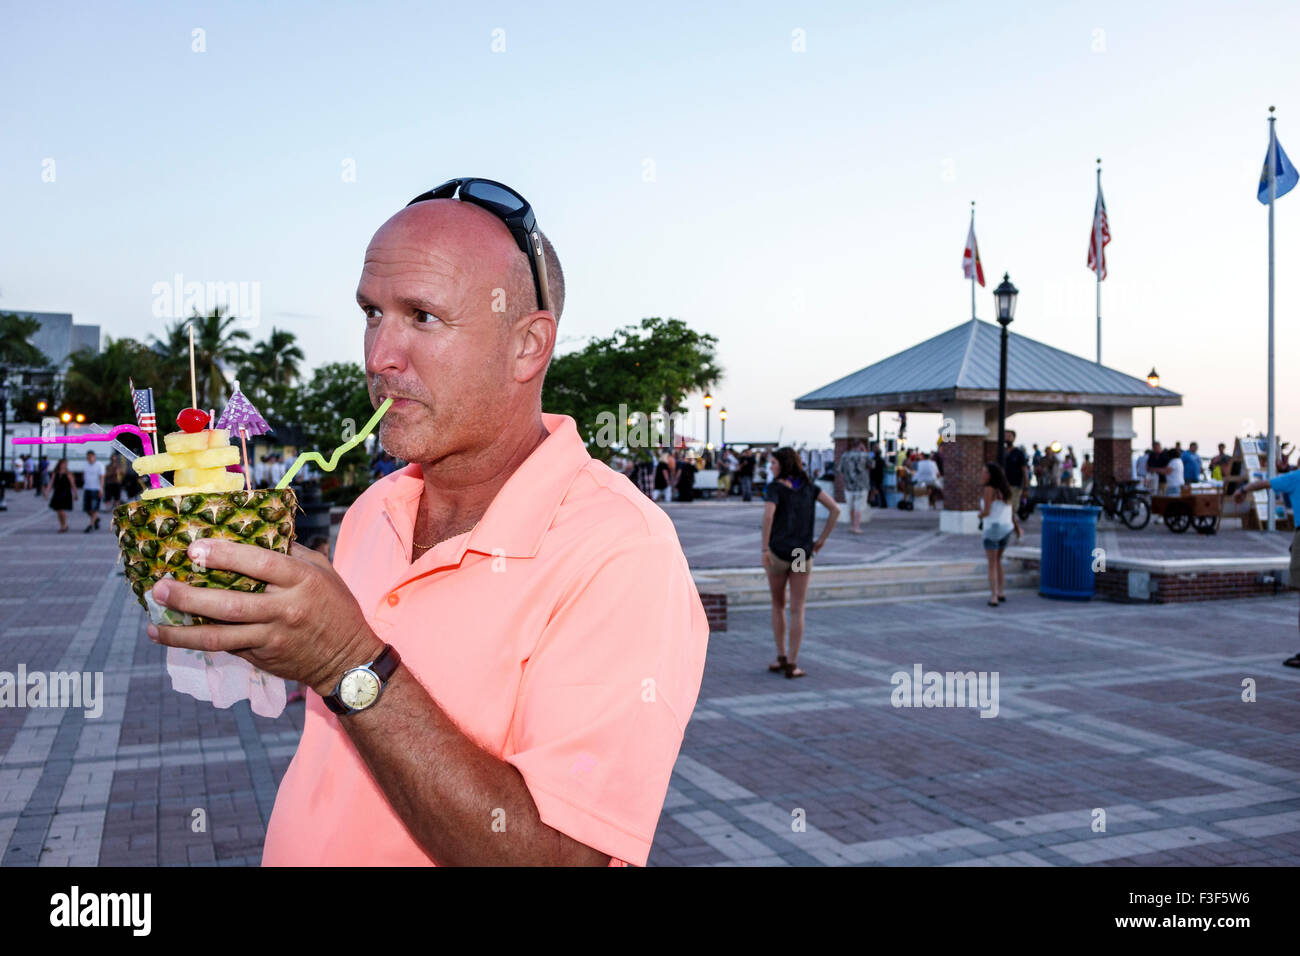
(19, 359)
(269, 370)
(647, 367)
(216, 348)
(16, 351)
(97, 383)
(323, 406)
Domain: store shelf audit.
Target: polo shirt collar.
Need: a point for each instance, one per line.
(517, 519)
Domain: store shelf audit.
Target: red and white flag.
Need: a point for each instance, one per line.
(970, 261)
(1100, 227)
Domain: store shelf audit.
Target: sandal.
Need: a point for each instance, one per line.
(794, 670)
(779, 666)
(993, 603)
(1002, 598)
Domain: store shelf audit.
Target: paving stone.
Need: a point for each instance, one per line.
(1133, 710)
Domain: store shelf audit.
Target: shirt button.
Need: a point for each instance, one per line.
(392, 600)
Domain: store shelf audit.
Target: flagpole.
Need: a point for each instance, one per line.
(1096, 239)
(973, 268)
(1272, 432)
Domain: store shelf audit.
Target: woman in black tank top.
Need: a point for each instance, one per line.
(789, 523)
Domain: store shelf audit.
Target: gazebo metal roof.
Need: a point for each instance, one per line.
(961, 364)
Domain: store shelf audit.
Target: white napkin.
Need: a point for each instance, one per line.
(217, 676)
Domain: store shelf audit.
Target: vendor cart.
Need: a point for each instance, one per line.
(1196, 507)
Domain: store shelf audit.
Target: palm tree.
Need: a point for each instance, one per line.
(96, 382)
(275, 361)
(215, 349)
(269, 370)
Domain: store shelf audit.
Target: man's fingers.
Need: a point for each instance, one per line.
(258, 563)
(221, 604)
(212, 637)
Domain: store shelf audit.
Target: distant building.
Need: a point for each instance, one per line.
(59, 337)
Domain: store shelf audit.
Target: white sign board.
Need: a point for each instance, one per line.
(1255, 469)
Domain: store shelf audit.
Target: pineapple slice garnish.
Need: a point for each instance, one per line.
(170, 461)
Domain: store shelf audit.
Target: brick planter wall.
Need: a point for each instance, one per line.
(1173, 588)
(715, 609)
(1178, 588)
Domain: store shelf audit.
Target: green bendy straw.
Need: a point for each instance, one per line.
(339, 452)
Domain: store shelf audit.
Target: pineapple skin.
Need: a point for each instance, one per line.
(153, 534)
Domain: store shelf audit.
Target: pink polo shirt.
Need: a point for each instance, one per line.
(563, 634)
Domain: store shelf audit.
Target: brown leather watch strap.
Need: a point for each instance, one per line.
(386, 663)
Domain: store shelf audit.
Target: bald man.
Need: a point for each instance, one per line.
(508, 646)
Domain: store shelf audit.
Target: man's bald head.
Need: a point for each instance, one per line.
(472, 231)
(453, 330)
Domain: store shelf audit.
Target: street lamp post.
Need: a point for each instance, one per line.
(1005, 295)
(708, 404)
(4, 428)
(1154, 381)
(41, 406)
(722, 417)
(65, 417)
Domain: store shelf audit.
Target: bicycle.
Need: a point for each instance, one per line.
(1125, 501)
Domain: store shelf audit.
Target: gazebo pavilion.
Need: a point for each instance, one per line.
(956, 375)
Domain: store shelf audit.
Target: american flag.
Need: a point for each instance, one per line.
(142, 399)
(1100, 225)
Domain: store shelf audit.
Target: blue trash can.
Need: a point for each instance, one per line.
(1065, 565)
(890, 485)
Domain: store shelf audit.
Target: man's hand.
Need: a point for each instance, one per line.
(306, 626)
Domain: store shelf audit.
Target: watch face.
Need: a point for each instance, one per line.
(359, 688)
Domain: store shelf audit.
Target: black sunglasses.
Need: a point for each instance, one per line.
(512, 209)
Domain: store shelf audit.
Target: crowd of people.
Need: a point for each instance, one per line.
(102, 485)
(1165, 470)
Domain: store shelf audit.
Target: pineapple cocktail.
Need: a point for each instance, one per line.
(206, 501)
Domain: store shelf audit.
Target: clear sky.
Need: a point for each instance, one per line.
(807, 208)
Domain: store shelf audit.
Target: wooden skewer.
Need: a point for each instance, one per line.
(194, 392)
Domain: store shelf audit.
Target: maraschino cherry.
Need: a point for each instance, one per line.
(192, 420)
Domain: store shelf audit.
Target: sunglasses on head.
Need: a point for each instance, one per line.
(512, 209)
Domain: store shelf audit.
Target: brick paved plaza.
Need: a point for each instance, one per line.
(1133, 710)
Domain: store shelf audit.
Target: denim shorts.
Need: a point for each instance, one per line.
(997, 544)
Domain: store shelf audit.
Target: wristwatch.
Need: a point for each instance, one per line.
(360, 687)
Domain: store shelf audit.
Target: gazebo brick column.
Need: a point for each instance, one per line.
(990, 435)
(850, 425)
(1112, 444)
(963, 464)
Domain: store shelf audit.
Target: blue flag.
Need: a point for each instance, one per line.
(1286, 174)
